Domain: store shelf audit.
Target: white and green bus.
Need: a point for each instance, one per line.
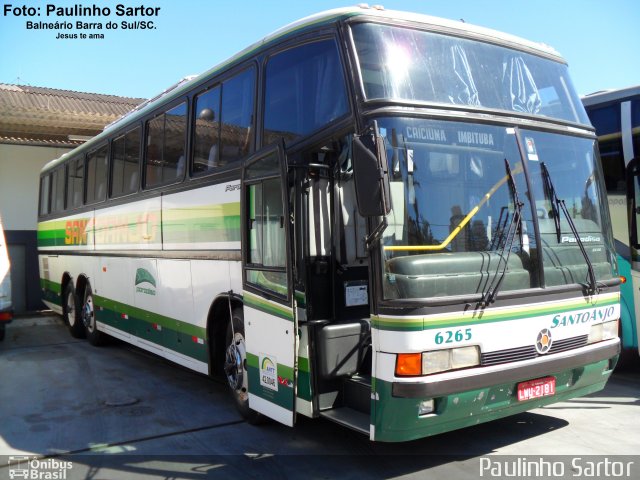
(615, 114)
(389, 220)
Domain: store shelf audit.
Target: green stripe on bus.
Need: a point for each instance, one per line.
(173, 337)
(426, 323)
(150, 317)
(50, 285)
(272, 308)
(51, 291)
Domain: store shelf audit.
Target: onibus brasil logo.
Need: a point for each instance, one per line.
(38, 468)
(144, 277)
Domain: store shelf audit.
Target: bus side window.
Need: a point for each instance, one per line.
(206, 138)
(97, 162)
(75, 182)
(606, 120)
(165, 157)
(125, 159)
(58, 192)
(45, 194)
(237, 117)
(304, 91)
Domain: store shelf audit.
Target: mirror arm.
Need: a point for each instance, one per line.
(372, 238)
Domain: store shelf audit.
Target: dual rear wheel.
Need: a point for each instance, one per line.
(79, 315)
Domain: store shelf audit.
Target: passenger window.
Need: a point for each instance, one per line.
(237, 116)
(75, 183)
(58, 193)
(45, 191)
(304, 91)
(165, 157)
(206, 141)
(125, 163)
(97, 163)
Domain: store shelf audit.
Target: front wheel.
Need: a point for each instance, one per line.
(235, 367)
(95, 337)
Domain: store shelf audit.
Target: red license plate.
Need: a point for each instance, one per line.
(542, 387)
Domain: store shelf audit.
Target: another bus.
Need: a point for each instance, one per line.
(389, 220)
(615, 114)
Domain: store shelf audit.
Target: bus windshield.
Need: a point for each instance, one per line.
(454, 187)
(404, 64)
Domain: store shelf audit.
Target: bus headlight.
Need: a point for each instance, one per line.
(603, 331)
(450, 359)
(427, 363)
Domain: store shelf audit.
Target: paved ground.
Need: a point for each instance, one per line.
(117, 412)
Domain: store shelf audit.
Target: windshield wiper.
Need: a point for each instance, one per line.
(557, 205)
(515, 226)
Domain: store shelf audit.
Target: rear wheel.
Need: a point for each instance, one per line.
(235, 367)
(2, 331)
(70, 312)
(94, 336)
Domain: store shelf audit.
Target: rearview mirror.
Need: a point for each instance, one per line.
(371, 175)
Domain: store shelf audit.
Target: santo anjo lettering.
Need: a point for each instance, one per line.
(564, 320)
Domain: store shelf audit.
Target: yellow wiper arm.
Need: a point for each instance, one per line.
(454, 233)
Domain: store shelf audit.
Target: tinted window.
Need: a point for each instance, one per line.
(606, 121)
(58, 193)
(45, 190)
(304, 91)
(75, 182)
(166, 134)
(206, 148)
(97, 162)
(125, 154)
(237, 116)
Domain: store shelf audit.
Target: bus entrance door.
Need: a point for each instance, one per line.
(269, 319)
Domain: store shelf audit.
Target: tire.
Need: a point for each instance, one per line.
(71, 313)
(235, 371)
(95, 337)
(2, 331)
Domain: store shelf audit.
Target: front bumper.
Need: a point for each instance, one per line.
(469, 397)
(509, 373)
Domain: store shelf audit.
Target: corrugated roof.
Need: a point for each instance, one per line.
(39, 142)
(48, 113)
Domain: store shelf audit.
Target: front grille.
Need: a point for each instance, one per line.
(509, 355)
(529, 352)
(568, 344)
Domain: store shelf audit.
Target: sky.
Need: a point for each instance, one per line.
(596, 38)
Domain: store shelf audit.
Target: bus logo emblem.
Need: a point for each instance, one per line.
(544, 341)
(143, 276)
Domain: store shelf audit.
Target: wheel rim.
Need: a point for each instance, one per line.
(71, 309)
(87, 314)
(234, 366)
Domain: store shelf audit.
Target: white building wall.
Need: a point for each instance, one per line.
(20, 167)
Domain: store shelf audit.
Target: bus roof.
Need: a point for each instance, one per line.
(606, 96)
(453, 27)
